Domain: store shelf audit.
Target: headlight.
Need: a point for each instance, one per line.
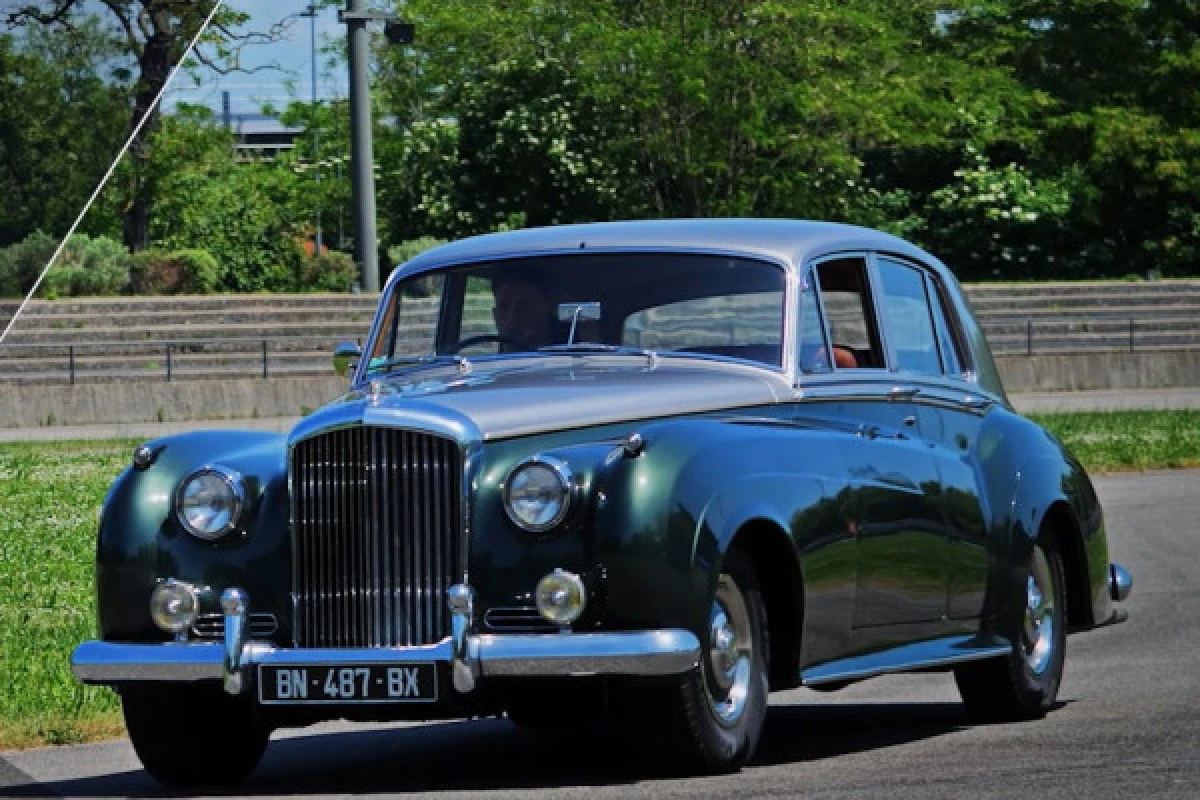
(537, 494)
(209, 502)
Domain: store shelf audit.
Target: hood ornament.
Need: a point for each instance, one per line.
(376, 388)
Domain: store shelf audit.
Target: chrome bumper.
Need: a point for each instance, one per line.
(1120, 582)
(654, 652)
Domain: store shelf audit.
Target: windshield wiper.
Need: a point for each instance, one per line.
(399, 361)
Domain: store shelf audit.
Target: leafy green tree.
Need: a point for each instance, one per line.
(153, 37)
(63, 102)
(239, 212)
(528, 113)
(1121, 86)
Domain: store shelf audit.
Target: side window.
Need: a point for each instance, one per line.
(907, 317)
(814, 352)
(952, 352)
(846, 295)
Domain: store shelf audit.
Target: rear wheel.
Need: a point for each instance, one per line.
(717, 713)
(1024, 684)
(193, 735)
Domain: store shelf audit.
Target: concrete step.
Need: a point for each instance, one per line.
(104, 305)
(1069, 288)
(1075, 326)
(1155, 312)
(1084, 302)
(233, 315)
(165, 333)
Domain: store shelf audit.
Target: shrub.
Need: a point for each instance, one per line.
(191, 271)
(89, 267)
(21, 263)
(332, 271)
(86, 267)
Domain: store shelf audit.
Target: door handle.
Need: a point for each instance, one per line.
(902, 394)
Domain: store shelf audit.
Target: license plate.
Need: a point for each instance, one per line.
(358, 683)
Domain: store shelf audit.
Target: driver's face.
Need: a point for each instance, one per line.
(520, 313)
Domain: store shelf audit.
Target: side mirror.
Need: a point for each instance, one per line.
(345, 357)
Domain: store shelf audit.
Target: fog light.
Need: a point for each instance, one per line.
(173, 606)
(561, 597)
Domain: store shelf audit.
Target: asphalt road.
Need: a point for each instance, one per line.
(1128, 725)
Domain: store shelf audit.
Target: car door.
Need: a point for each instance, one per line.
(929, 353)
(891, 500)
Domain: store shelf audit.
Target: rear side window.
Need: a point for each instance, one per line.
(907, 318)
(846, 296)
(951, 344)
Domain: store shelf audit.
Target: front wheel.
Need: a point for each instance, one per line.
(1024, 684)
(717, 713)
(193, 735)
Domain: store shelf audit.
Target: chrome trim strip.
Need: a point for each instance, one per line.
(653, 652)
(1120, 582)
(907, 658)
(873, 385)
(661, 652)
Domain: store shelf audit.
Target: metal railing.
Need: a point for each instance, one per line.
(264, 357)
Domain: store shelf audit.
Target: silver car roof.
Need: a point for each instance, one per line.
(790, 242)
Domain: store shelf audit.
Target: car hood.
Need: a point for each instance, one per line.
(521, 396)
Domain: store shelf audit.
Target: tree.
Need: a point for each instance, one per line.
(534, 112)
(1121, 82)
(63, 101)
(154, 35)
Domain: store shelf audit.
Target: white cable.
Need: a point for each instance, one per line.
(112, 168)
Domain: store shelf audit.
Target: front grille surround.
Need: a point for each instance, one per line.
(378, 536)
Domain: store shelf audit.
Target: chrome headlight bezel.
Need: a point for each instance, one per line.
(567, 488)
(232, 480)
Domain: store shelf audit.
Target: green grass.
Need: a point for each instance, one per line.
(1128, 440)
(50, 494)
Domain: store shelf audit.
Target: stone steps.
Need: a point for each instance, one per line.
(218, 336)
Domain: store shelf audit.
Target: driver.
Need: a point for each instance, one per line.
(522, 312)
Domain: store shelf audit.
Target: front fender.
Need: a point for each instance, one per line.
(140, 541)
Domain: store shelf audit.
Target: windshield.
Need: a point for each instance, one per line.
(666, 302)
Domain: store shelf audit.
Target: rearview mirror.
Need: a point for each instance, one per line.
(573, 312)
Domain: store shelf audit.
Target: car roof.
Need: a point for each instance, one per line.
(791, 242)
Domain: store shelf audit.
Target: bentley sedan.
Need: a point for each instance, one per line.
(647, 472)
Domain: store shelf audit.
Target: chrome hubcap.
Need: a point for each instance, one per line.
(730, 653)
(1041, 615)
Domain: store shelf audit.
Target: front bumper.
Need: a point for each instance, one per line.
(646, 653)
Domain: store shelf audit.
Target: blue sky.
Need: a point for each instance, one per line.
(249, 91)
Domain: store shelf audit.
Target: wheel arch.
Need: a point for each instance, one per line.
(778, 571)
(1060, 519)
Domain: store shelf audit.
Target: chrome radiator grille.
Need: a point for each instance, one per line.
(376, 537)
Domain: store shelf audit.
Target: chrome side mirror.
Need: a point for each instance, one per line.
(345, 357)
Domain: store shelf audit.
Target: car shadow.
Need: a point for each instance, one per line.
(494, 754)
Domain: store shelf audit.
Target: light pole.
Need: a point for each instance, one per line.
(362, 159)
(311, 13)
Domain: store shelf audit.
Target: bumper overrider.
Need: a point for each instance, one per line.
(470, 656)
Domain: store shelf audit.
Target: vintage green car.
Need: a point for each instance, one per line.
(647, 471)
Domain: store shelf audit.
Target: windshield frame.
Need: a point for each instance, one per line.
(791, 287)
